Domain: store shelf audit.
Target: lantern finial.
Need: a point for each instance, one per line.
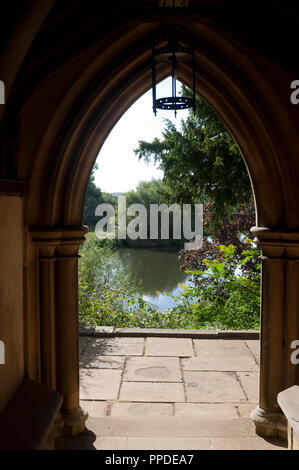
(172, 54)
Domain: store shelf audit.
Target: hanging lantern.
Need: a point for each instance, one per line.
(172, 54)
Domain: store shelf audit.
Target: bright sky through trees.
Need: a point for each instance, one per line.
(119, 169)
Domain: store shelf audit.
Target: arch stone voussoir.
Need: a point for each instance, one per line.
(73, 73)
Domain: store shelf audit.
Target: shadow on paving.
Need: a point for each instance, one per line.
(82, 442)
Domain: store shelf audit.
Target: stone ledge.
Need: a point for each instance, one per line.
(12, 187)
(238, 334)
(86, 330)
(288, 401)
(168, 333)
(28, 420)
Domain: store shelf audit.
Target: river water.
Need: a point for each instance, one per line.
(157, 270)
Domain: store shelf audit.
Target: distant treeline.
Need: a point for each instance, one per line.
(147, 192)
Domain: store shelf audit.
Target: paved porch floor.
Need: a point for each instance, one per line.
(169, 393)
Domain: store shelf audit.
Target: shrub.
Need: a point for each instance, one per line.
(223, 295)
(226, 294)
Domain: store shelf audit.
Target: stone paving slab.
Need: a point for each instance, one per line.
(110, 443)
(153, 369)
(253, 443)
(222, 355)
(171, 426)
(141, 409)
(159, 443)
(180, 347)
(94, 408)
(82, 344)
(91, 361)
(137, 398)
(115, 347)
(152, 392)
(98, 384)
(88, 441)
(206, 410)
(170, 433)
(216, 387)
(249, 443)
(245, 409)
(250, 383)
(254, 346)
(136, 376)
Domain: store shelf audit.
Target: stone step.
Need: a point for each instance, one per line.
(168, 433)
(171, 427)
(193, 443)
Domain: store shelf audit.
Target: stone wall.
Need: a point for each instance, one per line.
(11, 295)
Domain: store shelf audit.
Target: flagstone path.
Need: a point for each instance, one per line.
(170, 393)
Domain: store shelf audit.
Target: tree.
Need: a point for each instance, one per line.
(93, 197)
(202, 163)
(147, 193)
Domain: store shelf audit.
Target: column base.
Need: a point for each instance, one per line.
(59, 425)
(74, 421)
(270, 424)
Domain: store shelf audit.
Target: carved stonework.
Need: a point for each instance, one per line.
(279, 325)
(58, 273)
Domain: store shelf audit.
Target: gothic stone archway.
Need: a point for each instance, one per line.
(78, 72)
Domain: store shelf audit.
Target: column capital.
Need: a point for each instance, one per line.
(55, 236)
(58, 241)
(283, 244)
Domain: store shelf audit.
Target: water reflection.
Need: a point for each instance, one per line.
(157, 271)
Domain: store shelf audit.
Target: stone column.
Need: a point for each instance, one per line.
(58, 259)
(47, 317)
(279, 325)
(66, 306)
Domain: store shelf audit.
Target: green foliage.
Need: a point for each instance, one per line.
(226, 294)
(107, 295)
(93, 197)
(201, 163)
(147, 193)
(108, 198)
(217, 297)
